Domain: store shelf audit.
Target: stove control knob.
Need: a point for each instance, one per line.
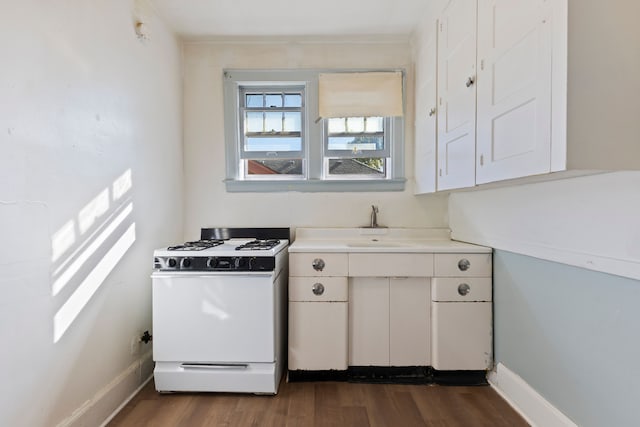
(171, 262)
(212, 263)
(185, 263)
(252, 263)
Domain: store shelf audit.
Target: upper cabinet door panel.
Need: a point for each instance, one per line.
(425, 122)
(456, 95)
(514, 89)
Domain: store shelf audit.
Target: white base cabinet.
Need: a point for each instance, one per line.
(461, 321)
(390, 310)
(318, 319)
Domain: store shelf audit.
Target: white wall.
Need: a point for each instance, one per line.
(90, 142)
(206, 201)
(590, 221)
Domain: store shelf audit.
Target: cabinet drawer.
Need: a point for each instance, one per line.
(318, 289)
(462, 265)
(461, 289)
(390, 265)
(318, 264)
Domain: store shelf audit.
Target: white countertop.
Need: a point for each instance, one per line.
(372, 240)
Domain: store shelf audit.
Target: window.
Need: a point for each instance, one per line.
(271, 142)
(276, 140)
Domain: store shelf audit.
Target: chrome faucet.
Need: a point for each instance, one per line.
(374, 216)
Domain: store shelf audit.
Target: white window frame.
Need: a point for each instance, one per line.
(315, 177)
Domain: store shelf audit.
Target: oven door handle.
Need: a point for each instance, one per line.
(214, 366)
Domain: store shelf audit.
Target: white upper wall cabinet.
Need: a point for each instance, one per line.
(456, 118)
(556, 90)
(514, 90)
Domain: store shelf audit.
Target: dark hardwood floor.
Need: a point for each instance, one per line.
(323, 404)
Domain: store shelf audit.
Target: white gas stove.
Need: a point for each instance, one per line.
(219, 308)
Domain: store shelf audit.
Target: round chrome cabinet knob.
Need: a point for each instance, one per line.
(464, 289)
(464, 264)
(317, 289)
(318, 264)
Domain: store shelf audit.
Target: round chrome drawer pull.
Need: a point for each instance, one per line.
(464, 264)
(464, 289)
(317, 289)
(318, 264)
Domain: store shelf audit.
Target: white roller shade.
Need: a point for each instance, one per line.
(374, 94)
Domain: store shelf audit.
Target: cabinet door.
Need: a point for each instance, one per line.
(461, 336)
(514, 89)
(409, 321)
(368, 321)
(425, 121)
(457, 95)
(317, 335)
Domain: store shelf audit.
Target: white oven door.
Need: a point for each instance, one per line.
(222, 318)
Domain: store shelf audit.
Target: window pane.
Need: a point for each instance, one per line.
(337, 125)
(364, 166)
(273, 101)
(273, 122)
(274, 167)
(292, 100)
(356, 143)
(292, 122)
(355, 124)
(254, 100)
(374, 124)
(253, 122)
(273, 144)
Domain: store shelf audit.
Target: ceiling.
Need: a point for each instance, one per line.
(196, 19)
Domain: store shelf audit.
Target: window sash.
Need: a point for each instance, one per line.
(245, 135)
(351, 154)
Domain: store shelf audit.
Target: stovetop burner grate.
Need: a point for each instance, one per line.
(258, 245)
(197, 245)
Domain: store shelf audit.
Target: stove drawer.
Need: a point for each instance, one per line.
(318, 289)
(318, 264)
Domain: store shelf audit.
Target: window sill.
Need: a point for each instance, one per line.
(311, 186)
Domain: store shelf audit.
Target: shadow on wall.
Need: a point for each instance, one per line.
(88, 247)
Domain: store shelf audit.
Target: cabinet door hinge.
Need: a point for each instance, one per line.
(481, 64)
(481, 159)
(440, 172)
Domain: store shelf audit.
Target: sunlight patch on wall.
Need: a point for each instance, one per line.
(93, 211)
(122, 185)
(71, 270)
(62, 240)
(74, 305)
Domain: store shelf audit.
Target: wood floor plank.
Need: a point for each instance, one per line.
(324, 404)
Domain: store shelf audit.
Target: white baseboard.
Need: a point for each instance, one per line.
(534, 408)
(108, 401)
